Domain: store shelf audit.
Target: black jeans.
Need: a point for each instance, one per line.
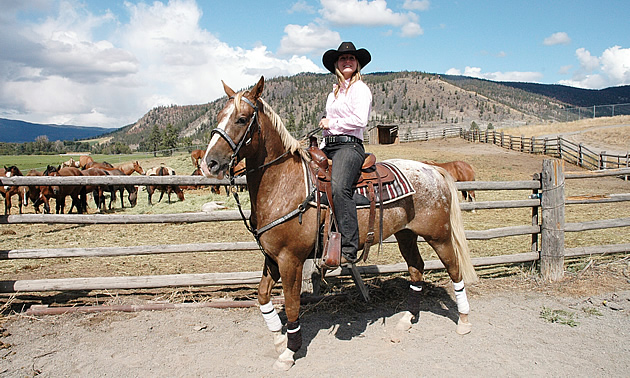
(347, 160)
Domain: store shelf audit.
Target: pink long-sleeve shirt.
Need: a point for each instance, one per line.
(349, 112)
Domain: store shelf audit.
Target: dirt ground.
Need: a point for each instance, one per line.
(521, 326)
(513, 335)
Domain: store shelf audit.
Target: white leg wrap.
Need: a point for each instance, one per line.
(285, 361)
(279, 341)
(460, 297)
(271, 317)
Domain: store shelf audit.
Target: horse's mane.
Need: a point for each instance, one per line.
(288, 141)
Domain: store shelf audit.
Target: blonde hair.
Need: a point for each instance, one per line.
(341, 81)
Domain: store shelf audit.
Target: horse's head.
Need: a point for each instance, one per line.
(137, 167)
(238, 125)
(133, 195)
(10, 172)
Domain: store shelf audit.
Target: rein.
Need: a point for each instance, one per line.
(247, 138)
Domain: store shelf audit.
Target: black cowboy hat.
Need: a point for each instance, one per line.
(331, 56)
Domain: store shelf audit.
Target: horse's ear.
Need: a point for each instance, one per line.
(258, 88)
(228, 91)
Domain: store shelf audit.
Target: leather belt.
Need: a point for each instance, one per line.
(342, 139)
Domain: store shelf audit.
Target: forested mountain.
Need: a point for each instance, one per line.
(407, 99)
(412, 99)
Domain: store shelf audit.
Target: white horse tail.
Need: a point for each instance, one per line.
(458, 235)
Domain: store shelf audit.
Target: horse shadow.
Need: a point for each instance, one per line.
(347, 315)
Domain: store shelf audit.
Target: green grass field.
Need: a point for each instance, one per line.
(40, 162)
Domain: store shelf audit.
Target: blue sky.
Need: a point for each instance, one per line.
(106, 63)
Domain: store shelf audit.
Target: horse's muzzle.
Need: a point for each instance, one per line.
(212, 168)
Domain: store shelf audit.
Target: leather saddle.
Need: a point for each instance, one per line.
(373, 175)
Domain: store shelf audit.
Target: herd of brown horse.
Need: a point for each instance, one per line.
(86, 166)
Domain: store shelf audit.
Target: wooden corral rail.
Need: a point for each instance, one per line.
(427, 134)
(549, 227)
(558, 147)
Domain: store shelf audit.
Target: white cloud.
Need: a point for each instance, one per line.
(369, 13)
(411, 29)
(559, 38)
(497, 76)
(307, 39)
(302, 6)
(611, 69)
(587, 61)
(565, 69)
(419, 5)
(58, 71)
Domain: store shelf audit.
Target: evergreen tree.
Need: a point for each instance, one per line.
(155, 139)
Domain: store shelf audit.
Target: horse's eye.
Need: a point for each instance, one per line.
(241, 121)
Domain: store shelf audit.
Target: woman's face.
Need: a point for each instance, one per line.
(347, 65)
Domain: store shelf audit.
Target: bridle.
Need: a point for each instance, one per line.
(246, 140)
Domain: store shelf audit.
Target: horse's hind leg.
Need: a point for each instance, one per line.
(407, 244)
(270, 276)
(446, 253)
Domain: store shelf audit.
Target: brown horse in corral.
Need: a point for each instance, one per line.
(168, 189)
(38, 194)
(96, 190)
(196, 172)
(195, 155)
(131, 189)
(9, 191)
(101, 165)
(130, 168)
(84, 160)
(61, 191)
(461, 171)
(249, 129)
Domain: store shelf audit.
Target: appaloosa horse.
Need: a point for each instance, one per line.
(287, 229)
(461, 171)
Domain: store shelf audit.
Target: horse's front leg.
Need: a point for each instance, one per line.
(291, 272)
(271, 275)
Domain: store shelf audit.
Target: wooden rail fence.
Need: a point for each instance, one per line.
(546, 229)
(559, 147)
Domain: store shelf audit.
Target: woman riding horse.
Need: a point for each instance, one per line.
(287, 227)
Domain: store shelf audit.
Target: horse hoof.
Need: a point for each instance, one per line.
(404, 324)
(280, 342)
(463, 328)
(285, 361)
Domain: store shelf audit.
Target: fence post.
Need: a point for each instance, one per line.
(501, 139)
(580, 156)
(552, 227)
(535, 215)
(560, 148)
(532, 149)
(601, 163)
